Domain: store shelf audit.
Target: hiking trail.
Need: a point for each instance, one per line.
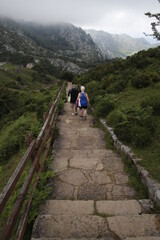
(91, 197)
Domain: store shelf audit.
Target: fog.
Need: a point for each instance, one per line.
(116, 16)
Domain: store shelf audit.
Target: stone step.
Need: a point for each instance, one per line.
(80, 207)
(49, 226)
(96, 153)
(129, 227)
(135, 226)
(67, 207)
(80, 144)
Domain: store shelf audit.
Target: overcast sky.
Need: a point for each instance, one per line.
(113, 16)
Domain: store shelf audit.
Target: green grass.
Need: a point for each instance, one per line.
(25, 99)
(150, 154)
(132, 97)
(28, 79)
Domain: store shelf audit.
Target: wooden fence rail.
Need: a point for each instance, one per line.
(36, 147)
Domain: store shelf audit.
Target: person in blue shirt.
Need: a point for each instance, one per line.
(84, 102)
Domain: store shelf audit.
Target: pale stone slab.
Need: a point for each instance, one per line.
(73, 177)
(49, 226)
(123, 192)
(134, 225)
(67, 207)
(92, 191)
(100, 177)
(125, 207)
(99, 167)
(62, 190)
(101, 153)
(61, 153)
(121, 178)
(84, 163)
(59, 164)
(114, 164)
(62, 145)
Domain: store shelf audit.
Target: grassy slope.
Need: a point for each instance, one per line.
(150, 154)
(27, 100)
(23, 117)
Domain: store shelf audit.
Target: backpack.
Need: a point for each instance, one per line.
(83, 100)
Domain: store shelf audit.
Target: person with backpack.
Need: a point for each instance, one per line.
(84, 102)
(73, 93)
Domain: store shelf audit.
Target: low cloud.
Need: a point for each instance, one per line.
(116, 16)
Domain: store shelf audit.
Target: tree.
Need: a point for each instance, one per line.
(154, 25)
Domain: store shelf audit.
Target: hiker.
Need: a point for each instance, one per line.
(84, 102)
(74, 94)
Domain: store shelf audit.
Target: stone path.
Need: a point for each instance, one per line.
(91, 196)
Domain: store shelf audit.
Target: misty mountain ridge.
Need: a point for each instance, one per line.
(67, 47)
(118, 45)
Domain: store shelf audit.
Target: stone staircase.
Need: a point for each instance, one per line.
(91, 196)
(74, 219)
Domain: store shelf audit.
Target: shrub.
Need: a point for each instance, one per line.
(116, 117)
(92, 88)
(134, 126)
(140, 135)
(104, 106)
(60, 105)
(141, 80)
(117, 86)
(13, 138)
(153, 102)
(155, 77)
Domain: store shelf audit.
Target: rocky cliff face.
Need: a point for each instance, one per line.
(14, 41)
(63, 44)
(114, 45)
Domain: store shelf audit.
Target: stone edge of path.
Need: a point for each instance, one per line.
(152, 185)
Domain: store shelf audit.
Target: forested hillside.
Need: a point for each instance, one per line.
(127, 94)
(25, 96)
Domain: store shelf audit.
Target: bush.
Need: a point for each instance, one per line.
(116, 117)
(140, 135)
(92, 88)
(60, 105)
(153, 102)
(104, 106)
(141, 80)
(13, 138)
(134, 126)
(118, 86)
(155, 77)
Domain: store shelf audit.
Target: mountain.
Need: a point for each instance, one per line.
(118, 45)
(64, 45)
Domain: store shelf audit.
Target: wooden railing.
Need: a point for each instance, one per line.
(34, 151)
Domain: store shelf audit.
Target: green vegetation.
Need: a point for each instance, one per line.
(25, 96)
(126, 93)
(23, 101)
